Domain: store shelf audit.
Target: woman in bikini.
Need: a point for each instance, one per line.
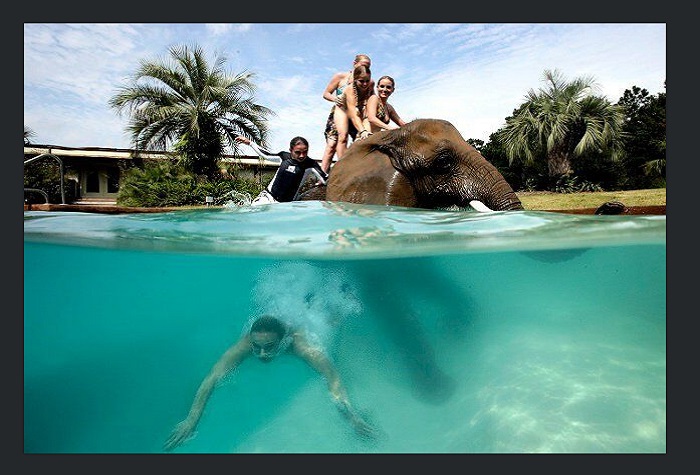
(335, 88)
(380, 113)
(350, 112)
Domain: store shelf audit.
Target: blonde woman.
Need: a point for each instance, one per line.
(381, 114)
(350, 112)
(333, 90)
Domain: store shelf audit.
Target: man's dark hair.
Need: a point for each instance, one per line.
(297, 140)
(267, 323)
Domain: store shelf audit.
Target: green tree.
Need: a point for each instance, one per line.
(645, 142)
(195, 108)
(28, 134)
(520, 175)
(560, 123)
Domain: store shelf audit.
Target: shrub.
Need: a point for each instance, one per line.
(574, 184)
(166, 184)
(46, 176)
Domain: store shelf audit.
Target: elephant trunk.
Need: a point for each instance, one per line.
(458, 185)
(509, 201)
(495, 191)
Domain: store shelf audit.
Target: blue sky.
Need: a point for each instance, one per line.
(473, 75)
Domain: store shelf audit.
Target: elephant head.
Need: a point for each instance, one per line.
(424, 164)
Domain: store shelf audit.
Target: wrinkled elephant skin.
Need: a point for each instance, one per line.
(424, 164)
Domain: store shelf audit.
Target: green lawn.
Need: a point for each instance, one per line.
(543, 200)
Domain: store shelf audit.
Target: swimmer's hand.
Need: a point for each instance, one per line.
(182, 432)
(362, 427)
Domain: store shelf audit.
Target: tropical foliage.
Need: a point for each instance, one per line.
(28, 134)
(160, 183)
(189, 106)
(561, 122)
(645, 142)
(45, 175)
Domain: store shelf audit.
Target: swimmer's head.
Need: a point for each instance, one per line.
(266, 334)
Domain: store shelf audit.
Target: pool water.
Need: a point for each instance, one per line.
(504, 332)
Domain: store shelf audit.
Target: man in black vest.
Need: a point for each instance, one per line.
(293, 166)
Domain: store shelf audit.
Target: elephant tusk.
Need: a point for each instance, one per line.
(479, 206)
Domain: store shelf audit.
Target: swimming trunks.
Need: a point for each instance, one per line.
(331, 133)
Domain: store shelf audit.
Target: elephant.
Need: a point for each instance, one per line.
(424, 164)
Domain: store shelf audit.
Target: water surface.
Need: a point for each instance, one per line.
(504, 332)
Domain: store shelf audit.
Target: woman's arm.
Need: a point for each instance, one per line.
(393, 115)
(375, 122)
(351, 109)
(318, 360)
(228, 361)
(329, 92)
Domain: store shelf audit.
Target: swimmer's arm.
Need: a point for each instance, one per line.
(321, 178)
(228, 361)
(262, 153)
(320, 174)
(317, 360)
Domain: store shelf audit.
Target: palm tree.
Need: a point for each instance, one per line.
(562, 122)
(28, 134)
(192, 107)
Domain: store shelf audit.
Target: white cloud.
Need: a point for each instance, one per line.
(221, 29)
(473, 75)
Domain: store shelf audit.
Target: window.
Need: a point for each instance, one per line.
(100, 182)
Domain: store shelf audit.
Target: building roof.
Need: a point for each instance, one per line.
(130, 154)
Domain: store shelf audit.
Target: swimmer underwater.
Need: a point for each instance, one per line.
(267, 338)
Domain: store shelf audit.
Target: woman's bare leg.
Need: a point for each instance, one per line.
(341, 125)
(328, 152)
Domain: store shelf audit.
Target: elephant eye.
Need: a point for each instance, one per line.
(443, 162)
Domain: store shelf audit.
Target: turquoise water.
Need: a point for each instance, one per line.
(504, 332)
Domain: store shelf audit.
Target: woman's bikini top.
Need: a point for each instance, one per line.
(382, 112)
(339, 97)
(341, 87)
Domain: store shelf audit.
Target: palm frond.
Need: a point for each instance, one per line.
(187, 101)
(564, 119)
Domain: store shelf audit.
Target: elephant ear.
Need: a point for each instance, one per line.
(366, 174)
(414, 150)
(394, 144)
